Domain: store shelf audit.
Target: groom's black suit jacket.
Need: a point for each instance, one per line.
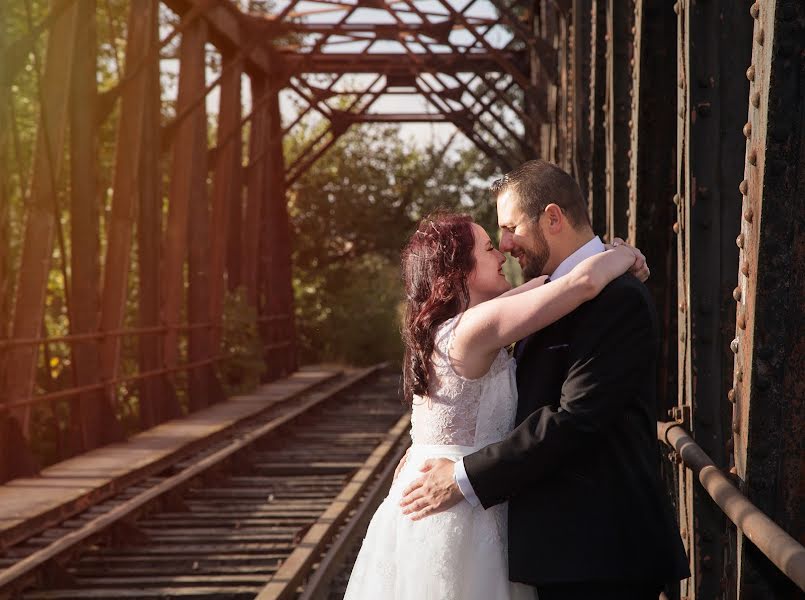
(581, 468)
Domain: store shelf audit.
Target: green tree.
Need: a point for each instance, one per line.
(351, 214)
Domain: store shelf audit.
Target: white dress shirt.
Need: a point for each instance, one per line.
(591, 248)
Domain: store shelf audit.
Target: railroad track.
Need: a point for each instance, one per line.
(269, 513)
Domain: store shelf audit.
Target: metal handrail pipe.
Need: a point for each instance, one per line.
(779, 547)
(100, 335)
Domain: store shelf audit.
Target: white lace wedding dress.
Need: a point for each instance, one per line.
(459, 554)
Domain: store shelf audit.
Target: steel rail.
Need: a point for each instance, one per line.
(319, 584)
(779, 547)
(12, 578)
(300, 563)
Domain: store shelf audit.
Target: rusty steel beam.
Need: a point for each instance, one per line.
(708, 213)
(391, 64)
(228, 31)
(158, 401)
(275, 254)
(255, 189)
(203, 386)
(40, 222)
(596, 186)
(652, 173)
(582, 82)
(770, 336)
(189, 167)
(227, 200)
(93, 421)
(619, 107)
(128, 156)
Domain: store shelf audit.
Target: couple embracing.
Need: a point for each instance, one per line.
(535, 476)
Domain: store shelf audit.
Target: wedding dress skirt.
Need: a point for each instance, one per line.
(458, 554)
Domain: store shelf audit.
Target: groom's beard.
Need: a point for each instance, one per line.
(535, 259)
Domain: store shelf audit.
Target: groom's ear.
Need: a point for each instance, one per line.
(554, 218)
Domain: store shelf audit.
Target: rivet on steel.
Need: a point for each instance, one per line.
(739, 241)
(748, 130)
(754, 10)
(676, 199)
(739, 375)
(676, 7)
(676, 227)
(731, 395)
(744, 187)
(749, 215)
(734, 346)
(750, 73)
(736, 294)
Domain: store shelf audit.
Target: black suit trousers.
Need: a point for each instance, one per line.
(600, 591)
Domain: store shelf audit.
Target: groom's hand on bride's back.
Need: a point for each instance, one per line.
(434, 492)
(640, 267)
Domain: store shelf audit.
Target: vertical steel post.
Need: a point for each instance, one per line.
(227, 187)
(276, 253)
(582, 82)
(40, 221)
(129, 151)
(92, 418)
(189, 167)
(652, 156)
(255, 194)
(709, 155)
(619, 81)
(158, 400)
(769, 393)
(596, 195)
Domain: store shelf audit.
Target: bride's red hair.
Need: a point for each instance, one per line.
(436, 263)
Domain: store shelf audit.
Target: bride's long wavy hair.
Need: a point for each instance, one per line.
(436, 264)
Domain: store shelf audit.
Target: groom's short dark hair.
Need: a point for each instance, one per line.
(538, 183)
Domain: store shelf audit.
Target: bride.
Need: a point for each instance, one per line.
(459, 379)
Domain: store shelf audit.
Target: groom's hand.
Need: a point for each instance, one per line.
(434, 492)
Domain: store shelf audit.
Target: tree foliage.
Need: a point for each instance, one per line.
(352, 212)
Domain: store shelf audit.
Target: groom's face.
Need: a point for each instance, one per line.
(522, 237)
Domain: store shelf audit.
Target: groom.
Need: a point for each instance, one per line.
(588, 516)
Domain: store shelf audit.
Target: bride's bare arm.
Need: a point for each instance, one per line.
(485, 328)
(528, 285)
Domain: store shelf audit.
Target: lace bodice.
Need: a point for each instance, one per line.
(461, 411)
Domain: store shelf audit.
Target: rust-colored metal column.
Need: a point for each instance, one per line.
(129, 151)
(708, 214)
(5, 199)
(652, 156)
(227, 190)
(582, 83)
(93, 422)
(189, 167)
(620, 14)
(40, 221)
(158, 400)
(256, 175)
(596, 186)
(769, 344)
(276, 280)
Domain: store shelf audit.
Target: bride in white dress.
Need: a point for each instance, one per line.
(460, 382)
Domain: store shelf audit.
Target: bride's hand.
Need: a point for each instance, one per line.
(640, 267)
